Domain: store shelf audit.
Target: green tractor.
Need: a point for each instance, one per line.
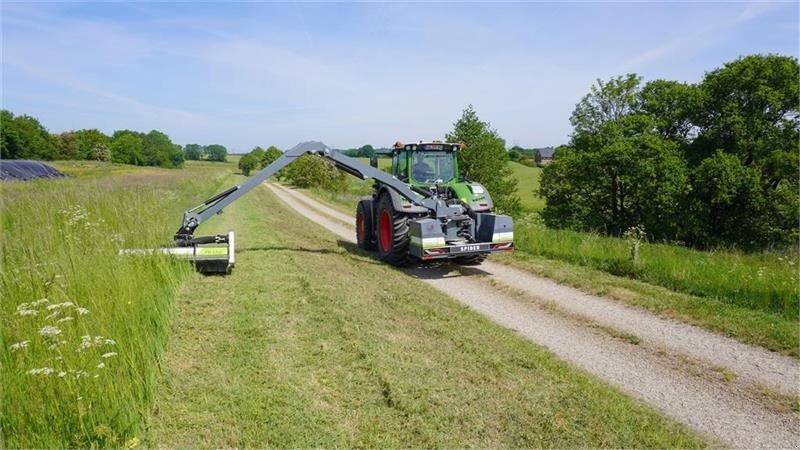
(402, 231)
(423, 210)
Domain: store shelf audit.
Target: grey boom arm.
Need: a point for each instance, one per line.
(193, 217)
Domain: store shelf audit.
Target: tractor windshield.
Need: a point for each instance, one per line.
(432, 167)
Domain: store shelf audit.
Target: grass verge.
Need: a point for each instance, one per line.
(311, 343)
(82, 327)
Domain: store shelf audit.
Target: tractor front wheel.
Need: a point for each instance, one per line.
(365, 233)
(392, 232)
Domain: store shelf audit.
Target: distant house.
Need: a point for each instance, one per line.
(544, 155)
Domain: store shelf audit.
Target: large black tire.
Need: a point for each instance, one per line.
(365, 230)
(391, 232)
(472, 260)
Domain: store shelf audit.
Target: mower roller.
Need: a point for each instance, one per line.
(424, 209)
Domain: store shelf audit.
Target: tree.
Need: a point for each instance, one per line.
(247, 163)
(88, 140)
(484, 159)
(313, 171)
(515, 153)
(127, 147)
(158, 150)
(216, 152)
(751, 108)
(674, 106)
(629, 176)
(270, 155)
(728, 203)
(605, 102)
(100, 152)
(66, 146)
(193, 152)
(23, 137)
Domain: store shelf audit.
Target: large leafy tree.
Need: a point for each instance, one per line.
(737, 131)
(626, 175)
(127, 147)
(728, 204)
(23, 137)
(158, 150)
(484, 159)
(193, 152)
(750, 109)
(88, 140)
(673, 106)
(216, 152)
(606, 101)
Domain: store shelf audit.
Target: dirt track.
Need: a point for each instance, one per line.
(676, 367)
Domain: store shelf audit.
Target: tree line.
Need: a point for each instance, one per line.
(24, 137)
(709, 164)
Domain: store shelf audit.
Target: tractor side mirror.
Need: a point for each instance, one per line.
(373, 160)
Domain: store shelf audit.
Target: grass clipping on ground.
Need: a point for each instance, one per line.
(312, 343)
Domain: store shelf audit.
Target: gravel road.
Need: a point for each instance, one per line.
(565, 321)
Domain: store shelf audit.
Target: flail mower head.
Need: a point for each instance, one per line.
(209, 254)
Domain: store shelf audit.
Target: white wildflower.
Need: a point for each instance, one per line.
(53, 314)
(49, 331)
(19, 345)
(81, 311)
(41, 371)
(62, 374)
(88, 342)
(109, 354)
(64, 319)
(26, 309)
(59, 305)
(101, 365)
(40, 302)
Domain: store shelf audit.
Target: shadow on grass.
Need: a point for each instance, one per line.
(268, 248)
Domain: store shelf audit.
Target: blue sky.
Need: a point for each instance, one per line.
(246, 74)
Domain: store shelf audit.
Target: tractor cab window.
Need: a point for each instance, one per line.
(432, 167)
(399, 165)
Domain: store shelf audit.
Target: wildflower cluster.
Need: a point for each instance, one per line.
(50, 333)
(77, 218)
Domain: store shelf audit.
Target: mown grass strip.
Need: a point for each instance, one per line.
(82, 327)
(313, 343)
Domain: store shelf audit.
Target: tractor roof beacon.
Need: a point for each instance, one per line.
(424, 209)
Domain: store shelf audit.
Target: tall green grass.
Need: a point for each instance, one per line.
(82, 326)
(761, 281)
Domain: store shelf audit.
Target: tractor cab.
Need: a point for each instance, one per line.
(425, 164)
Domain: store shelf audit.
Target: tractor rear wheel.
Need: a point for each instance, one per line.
(392, 232)
(365, 232)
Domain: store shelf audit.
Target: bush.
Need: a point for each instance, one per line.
(101, 153)
(310, 171)
(247, 163)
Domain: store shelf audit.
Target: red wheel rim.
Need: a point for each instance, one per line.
(360, 227)
(386, 231)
